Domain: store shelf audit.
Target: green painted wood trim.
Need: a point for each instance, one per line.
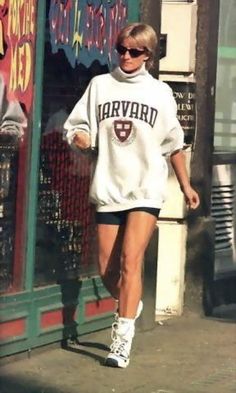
(14, 298)
(36, 135)
(88, 285)
(51, 296)
(13, 348)
(32, 304)
(134, 11)
(226, 52)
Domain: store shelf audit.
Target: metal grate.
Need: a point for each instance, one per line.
(222, 212)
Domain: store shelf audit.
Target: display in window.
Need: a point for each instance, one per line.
(17, 44)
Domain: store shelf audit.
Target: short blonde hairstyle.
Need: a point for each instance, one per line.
(145, 37)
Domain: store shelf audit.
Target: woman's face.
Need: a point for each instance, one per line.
(131, 61)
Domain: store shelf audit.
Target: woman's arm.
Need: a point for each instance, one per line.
(177, 160)
(81, 126)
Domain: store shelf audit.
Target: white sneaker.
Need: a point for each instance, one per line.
(122, 335)
(138, 312)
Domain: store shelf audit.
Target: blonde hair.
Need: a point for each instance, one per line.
(145, 37)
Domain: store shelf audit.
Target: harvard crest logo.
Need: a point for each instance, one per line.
(123, 131)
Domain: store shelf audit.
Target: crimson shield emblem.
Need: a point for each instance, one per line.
(123, 129)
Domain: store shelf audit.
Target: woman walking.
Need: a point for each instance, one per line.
(130, 118)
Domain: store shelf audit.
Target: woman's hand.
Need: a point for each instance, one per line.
(191, 197)
(82, 140)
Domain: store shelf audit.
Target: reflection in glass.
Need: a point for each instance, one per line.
(225, 116)
(12, 124)
(66, 235)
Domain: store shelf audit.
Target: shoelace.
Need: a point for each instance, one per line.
(118, 346)
(114, 328)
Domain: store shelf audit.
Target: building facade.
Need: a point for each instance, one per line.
(49, 51)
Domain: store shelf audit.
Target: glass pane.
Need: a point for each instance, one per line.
(79, 43)
(17, 45)
(225, 116)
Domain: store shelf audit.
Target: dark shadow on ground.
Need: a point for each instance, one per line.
(70, 291)
(79, 347)
(9, 384)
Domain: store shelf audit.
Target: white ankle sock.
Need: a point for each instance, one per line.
(126, 327)
(129, 321)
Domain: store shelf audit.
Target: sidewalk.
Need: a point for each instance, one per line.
(187, 354)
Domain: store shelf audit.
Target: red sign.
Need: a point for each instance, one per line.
(17, 44)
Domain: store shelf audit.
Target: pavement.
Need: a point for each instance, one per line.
(186, 354)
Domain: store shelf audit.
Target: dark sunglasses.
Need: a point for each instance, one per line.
(133, 52)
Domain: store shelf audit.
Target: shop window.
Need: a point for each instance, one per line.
(77, 47)
(17, 51)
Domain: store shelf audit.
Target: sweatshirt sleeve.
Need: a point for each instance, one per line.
(174, 136)
(83, 117)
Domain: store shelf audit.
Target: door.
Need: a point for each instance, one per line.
(220, 291)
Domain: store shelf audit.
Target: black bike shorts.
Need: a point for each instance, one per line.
(120, 217)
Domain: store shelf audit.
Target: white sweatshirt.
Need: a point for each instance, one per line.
(131, 119)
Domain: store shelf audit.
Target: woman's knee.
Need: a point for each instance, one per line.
(131, 265)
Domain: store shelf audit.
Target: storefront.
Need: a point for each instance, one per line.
(49, 51)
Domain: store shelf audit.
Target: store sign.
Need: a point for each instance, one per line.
(184, 94)
(85, 30)
(17, 42)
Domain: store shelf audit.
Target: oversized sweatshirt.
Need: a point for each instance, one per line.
(131, 119)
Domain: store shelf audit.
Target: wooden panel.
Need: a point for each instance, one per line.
(12, 329)
(98, 307)
(58, 317)
(51, 318)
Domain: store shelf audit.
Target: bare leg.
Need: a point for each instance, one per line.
(138, 231)
(134, 240)
(109, 245)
